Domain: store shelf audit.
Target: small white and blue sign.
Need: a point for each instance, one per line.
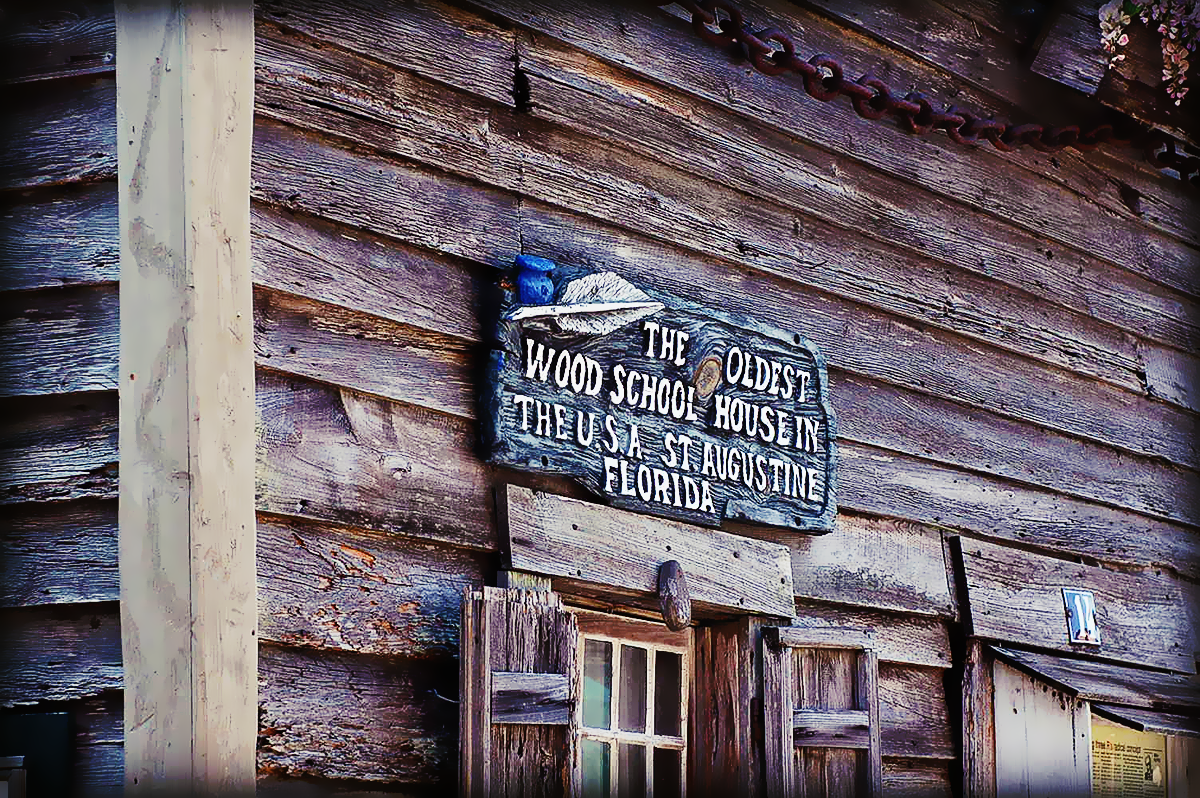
(1081, 616)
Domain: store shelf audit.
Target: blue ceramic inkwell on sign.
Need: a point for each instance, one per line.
(534, 286)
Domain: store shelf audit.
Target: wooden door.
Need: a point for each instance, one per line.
(821, 713)
(517, 690)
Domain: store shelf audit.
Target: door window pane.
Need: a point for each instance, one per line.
(631, 771)
(667, 667)
(666, 773)
(633, 689)
(594, 757)
(597, 683)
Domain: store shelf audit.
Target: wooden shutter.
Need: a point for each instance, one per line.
(821, 706)
(517, 691)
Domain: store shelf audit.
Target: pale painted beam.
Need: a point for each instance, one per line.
(185, 100)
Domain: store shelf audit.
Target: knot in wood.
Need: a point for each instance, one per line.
(673, 599)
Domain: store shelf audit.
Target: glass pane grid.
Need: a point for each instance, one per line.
(624, 724)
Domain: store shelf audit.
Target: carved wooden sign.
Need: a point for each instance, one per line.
(657, 405)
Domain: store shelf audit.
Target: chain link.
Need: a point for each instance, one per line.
(772, 52)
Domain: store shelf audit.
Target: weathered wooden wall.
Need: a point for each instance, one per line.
(1011, 340)
(61, 647)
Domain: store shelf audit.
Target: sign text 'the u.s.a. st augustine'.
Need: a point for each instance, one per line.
(658, 406)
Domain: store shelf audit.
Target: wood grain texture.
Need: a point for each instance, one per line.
(59, 39)
(339, 456)
(1071, 53)
(916, 778)
(339, 715)
(531, 698)
(65, 553)
(978, 725)
(589, 177)
(67, 132)
(355, 269)
(59, 653)
(416, 40)
(416, 207)
(826, 678)
(59, 340)
(896, 637)
(59, 448)
(832, 728)
(882, 563)
(778, 699)
(579, 540)
(1143, 720)
(878, 482)
(328, 587)
(914, 713)
(722, 757)
(361, 351)
(1105, 682)
(617, 106)
(1039, 748)
(60, 238)
(982, 295)
(186, 514)
(1016, 597)
(932, 427)
(665, 49)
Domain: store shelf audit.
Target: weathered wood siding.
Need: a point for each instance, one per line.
(1011, 341)
(61, 647)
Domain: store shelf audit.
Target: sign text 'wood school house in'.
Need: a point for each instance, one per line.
(660, 406)
(599, 398)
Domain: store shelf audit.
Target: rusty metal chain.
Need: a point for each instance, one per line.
(772, 52)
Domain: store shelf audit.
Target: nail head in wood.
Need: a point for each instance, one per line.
(673, 597)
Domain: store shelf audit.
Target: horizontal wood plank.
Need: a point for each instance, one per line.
(347, 458)
(1108, 683)
(833, 728)
(59, 653)
(335, 715)
(1016, 597)
(337, 265)
(58, 340)
(916, 778)
(538, 698)
(1154, 722)
(417, 39)
(898, 637)
(59, 238)
(563, 537)
(57, 448)
(59, 39)
(328, 587)
(834, 637)
(67, 130)
(63, 553)
(585, 176)
(353, 349)
(417, 207)
(876, 481)
(1070, 53)
(877, 562)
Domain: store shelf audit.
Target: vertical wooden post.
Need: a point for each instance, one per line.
(185, 107)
